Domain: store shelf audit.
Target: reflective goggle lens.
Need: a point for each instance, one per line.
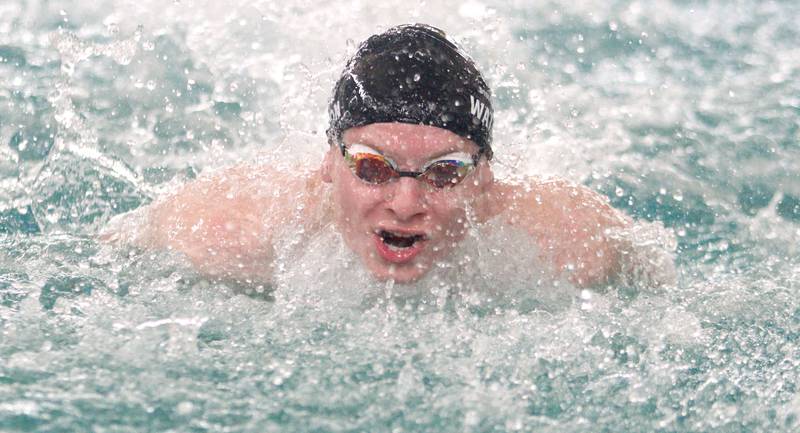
(376, 169)
(372, 168)
(445, 173)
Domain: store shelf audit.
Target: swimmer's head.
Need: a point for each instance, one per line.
(413, 74)
(416, 113)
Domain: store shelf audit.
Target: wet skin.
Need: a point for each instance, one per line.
(403, 206)
(228, 223)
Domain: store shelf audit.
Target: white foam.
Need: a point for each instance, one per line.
(493, 266)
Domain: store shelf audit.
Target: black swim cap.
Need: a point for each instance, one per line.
(413, 74)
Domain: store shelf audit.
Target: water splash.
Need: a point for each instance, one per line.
(78, 187)
(677, 110)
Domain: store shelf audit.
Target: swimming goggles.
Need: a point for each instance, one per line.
(372, 167)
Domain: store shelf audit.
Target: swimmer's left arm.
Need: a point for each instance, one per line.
(572, 224)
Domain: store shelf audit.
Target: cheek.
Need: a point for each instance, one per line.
(354, 199)
(449, 212)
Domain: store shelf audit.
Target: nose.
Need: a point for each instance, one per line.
(407, 199)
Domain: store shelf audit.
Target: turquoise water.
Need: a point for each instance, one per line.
(683, 112)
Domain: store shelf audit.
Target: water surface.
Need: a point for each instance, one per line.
(680, 112)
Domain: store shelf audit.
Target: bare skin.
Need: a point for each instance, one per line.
(227, 224)
(569, 223)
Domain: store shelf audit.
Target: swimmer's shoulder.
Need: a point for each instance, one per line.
(251, 196)
(569, 222)
(543, 200)
(227, 222)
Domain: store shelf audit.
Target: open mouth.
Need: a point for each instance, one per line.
(398, 240)
(399, 248)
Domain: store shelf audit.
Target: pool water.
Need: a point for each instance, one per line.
(683, 113)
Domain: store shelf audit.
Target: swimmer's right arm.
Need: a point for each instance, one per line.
(226, 224)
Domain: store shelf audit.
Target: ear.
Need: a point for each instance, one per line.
(327, 164)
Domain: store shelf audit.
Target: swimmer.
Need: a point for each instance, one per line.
(407, 172)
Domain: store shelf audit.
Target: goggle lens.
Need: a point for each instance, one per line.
(445, 173)
(372, 168)
(377, 169)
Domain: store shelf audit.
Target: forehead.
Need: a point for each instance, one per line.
(409, 140)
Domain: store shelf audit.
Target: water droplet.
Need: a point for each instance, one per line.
(417, 77)
(68, 67)
(184, 408)
(112, 28)
(471, 418)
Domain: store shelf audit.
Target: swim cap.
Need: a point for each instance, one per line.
(413, 74)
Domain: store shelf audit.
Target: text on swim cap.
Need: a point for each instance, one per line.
(481, 111)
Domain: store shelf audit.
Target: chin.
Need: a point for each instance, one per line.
(400, 274)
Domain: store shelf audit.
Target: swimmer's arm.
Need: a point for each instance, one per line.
(571, 224)
(227, 224)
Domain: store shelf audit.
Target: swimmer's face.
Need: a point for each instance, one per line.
(400, 228)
